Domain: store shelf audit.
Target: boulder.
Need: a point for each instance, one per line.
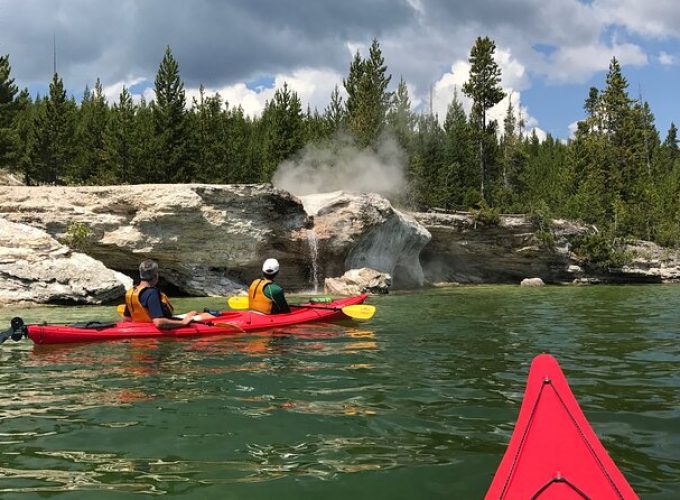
(356, 281)
(532, 282)
(34, 267)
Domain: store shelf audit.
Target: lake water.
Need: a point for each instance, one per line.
(417, 403)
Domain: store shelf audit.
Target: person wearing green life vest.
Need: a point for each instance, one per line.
(266, 296)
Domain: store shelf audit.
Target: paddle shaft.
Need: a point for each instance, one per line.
(312, 306)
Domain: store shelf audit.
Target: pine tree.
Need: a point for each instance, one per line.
(427, 163)
(670, 145)
(252, 171)
(239, 132)
(121, 152)
(283, 130)
(513, 161)
(8, 112)
(170, 121)
(509, 141)
(25, 136)
(671, 140)
(334, 113)
(400, 118)
(55, 132)
(92, 124)
(543, 184)
(461, 180)
(146, 170)
(367, 96)
(316, 127)
(483, 87)
(208, 127)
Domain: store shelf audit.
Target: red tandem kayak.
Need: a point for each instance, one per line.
(230, 322)
(553, 451)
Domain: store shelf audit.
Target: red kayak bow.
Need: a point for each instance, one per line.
(553, 451)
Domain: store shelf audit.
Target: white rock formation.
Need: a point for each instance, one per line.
(649, 260)
(208, 239)
(364, 230)
(464, 250)
(34, 267)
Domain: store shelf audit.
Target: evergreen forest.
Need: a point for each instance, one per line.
(618, 173)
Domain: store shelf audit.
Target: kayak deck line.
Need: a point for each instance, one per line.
(553, 451)
(560, 479)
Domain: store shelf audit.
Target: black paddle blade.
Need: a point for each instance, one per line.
(19, 330)
(16, 332)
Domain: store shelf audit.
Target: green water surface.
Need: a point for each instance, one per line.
(417, 403)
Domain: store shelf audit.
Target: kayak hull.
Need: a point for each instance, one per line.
(553, 451)
(232, 322)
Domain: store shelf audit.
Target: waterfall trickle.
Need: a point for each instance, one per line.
(313, 241)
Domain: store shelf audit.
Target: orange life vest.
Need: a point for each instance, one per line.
(257, 300)
(137, 311)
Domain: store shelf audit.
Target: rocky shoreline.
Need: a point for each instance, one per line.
(82, 244)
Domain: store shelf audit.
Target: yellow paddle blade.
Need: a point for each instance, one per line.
(359, 311)
(231, 326)
(121, 310)
(238, 302)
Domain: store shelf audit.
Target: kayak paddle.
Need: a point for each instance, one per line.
(357, 311)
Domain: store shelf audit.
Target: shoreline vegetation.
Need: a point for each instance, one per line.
(616, 173)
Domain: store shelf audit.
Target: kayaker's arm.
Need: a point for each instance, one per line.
(162, 318)
(169, 323)
(278, 297)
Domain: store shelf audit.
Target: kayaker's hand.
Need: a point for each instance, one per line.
(188, 317)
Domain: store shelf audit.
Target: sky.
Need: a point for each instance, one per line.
(550, 51)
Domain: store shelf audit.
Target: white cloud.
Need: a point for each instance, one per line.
(573, 127)
(577, 64)
(112, 92)
(313, 86)
(656, 18)
(667, 59)
(417, 5)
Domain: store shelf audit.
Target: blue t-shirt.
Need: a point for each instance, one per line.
(150, 298)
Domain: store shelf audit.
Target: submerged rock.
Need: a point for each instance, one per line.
(34, 267)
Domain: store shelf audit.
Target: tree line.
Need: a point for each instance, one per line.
(616, 172)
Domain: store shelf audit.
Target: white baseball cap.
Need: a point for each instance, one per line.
(270, 266)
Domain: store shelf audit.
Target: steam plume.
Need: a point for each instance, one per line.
(338, 164)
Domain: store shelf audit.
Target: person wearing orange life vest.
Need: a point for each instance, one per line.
(147, 304)
(266, 296)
